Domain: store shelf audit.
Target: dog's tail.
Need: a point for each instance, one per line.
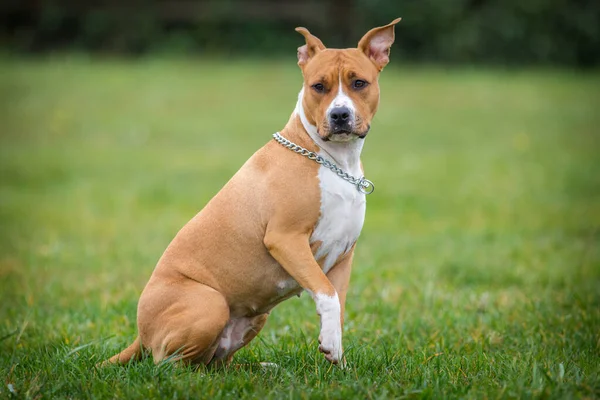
(133, 352)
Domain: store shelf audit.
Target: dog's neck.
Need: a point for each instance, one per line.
(345, 154)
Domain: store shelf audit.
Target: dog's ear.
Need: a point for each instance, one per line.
(313, 46)
(377, 42)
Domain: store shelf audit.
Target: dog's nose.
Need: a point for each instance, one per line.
(339, 115)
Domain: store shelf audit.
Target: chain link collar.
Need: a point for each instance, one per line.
(363, 185)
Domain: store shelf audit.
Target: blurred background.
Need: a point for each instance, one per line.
(119, 120)
(514, 32)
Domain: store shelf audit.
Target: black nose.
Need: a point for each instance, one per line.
(339, 116)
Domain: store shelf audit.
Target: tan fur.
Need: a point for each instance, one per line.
(227, 262)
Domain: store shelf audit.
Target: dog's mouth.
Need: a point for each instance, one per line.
(345, 135)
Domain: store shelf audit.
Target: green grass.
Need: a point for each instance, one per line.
(477, 273)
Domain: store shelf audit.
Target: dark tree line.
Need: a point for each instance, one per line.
(562, 32)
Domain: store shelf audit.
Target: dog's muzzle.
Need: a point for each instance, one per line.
(340, 120)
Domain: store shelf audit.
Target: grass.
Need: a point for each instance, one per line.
(477, 274)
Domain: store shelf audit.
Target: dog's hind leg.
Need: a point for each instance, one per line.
(182, 322)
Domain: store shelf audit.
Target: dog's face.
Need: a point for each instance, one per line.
(341, 90)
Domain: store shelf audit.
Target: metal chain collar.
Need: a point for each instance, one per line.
(363, 185)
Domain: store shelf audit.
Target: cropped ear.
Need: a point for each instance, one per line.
(313, 46)
(377, 42)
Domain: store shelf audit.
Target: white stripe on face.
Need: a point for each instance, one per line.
(342, 100)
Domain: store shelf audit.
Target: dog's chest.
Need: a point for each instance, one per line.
(341, 220)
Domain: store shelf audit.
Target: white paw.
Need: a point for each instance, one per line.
(330, 344)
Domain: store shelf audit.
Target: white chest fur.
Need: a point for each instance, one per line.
(342, 205)
(342, 217)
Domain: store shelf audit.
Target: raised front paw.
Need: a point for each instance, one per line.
(330, 344)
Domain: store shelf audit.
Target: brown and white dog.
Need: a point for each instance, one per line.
(282, 224)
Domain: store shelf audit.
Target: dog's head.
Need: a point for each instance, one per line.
(341, 90)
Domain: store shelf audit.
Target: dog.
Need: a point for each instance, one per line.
(287, 221)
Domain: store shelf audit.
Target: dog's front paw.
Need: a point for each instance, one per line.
(330, 344)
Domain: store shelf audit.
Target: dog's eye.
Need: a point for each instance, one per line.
(359, 84)
(319, 88)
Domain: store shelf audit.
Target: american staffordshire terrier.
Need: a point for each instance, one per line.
(287, 221)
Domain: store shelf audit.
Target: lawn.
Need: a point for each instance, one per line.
(477, 274)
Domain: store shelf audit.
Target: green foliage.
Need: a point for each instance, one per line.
(495, 31)
(476, 275)
(513, 32)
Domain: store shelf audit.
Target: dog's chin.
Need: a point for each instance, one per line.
(345, 136)
(341, 137)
